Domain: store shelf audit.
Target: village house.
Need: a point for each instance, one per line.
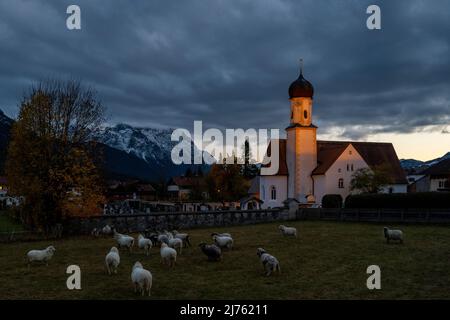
(432, 179)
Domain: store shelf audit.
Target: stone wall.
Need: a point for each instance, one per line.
(178, 220)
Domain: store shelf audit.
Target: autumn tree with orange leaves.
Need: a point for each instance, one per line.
(50, 162)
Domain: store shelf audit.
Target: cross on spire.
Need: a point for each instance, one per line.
(301, 65)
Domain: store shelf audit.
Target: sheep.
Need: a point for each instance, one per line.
(176, 243)
(168, 234)
(144, 243)
(123, 240)
(183, 236)
(223, 242)
(288, 231)
(393, 234)
(112, 260)
(41, 255)
(212, 251)
(225, 234)
(106, 230)
(269, 262)
(141, 278)
(168, 255)
(95, 232)
(163, 238)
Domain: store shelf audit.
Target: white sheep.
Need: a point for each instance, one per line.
(106, 230)
(288, 231)
(223, 242)
(112, 260)
(390, 234)
(176, 243)
(144, 243)
(168, 255)
(269, 262)
(41, 255)
(124, 240)
(224, 234)
(141, 278)
(183, 236)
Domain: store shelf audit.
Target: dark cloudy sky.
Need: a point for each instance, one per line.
(230, 62)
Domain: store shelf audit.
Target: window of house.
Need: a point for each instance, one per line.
(305, 114)
(352, 166)
(441, 184)
(391, 190)
(273, 193)
(339, 170)
(341, 183)
(348, 167)
(292, 115)
(350, 152)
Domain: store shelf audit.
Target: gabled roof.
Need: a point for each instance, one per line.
(373, 153)
(440, 168)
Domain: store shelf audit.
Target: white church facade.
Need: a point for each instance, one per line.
(310, 168)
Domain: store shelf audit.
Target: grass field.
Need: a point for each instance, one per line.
(327, 261)
(7, 224)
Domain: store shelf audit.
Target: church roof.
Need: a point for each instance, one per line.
(373, 153)
(282, 168)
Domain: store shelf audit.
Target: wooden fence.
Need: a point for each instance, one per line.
(377, 215)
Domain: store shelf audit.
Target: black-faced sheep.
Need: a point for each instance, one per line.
(213, 252)
(392, 234)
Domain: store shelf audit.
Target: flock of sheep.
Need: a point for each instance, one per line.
(168, 243)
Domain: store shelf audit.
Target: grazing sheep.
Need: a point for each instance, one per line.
(123, 240)
(223, 242)
(163, 238)
(225, 234)
(168, 255)
(141, 278)
(288, 231)
(176, 243)
(112, 260)
(269, 262)
(107, 230)
(212, 251)
(41, 255)
(183, 236)
(144, 243)
(390, 234)
(168, 234)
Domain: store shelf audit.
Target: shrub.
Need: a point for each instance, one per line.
(399, 200)
(332, 201)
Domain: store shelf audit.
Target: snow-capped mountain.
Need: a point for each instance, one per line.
(410, 164)
(154, 146)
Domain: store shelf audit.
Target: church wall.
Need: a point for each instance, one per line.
(280, 183)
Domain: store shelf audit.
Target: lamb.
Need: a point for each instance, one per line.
(183, 236)
(288, 231)
(212, 251)
(144, 243)
(176, 243)
(168, 255)
(390, 234)
(112, 260)
(141, 278)
(123, 240)
(223, 242)
(225, 234)
(269, 262)
(41, 255)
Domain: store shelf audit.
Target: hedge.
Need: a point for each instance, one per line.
(332, 201)
(399, 200)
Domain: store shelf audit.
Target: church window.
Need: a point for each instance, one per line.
(263, 191)
(305, 114)
(348, 167)
(273, 193)
(339, 170)
(292, 115)
(352, 167)
(341, 183)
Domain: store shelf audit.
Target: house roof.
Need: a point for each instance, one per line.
(440, 168)
(373, 153)
(185, 181)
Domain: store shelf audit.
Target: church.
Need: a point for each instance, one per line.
(310, 168)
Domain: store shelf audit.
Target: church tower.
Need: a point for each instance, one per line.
(301, 145)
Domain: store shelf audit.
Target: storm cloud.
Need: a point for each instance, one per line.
(229, 62)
